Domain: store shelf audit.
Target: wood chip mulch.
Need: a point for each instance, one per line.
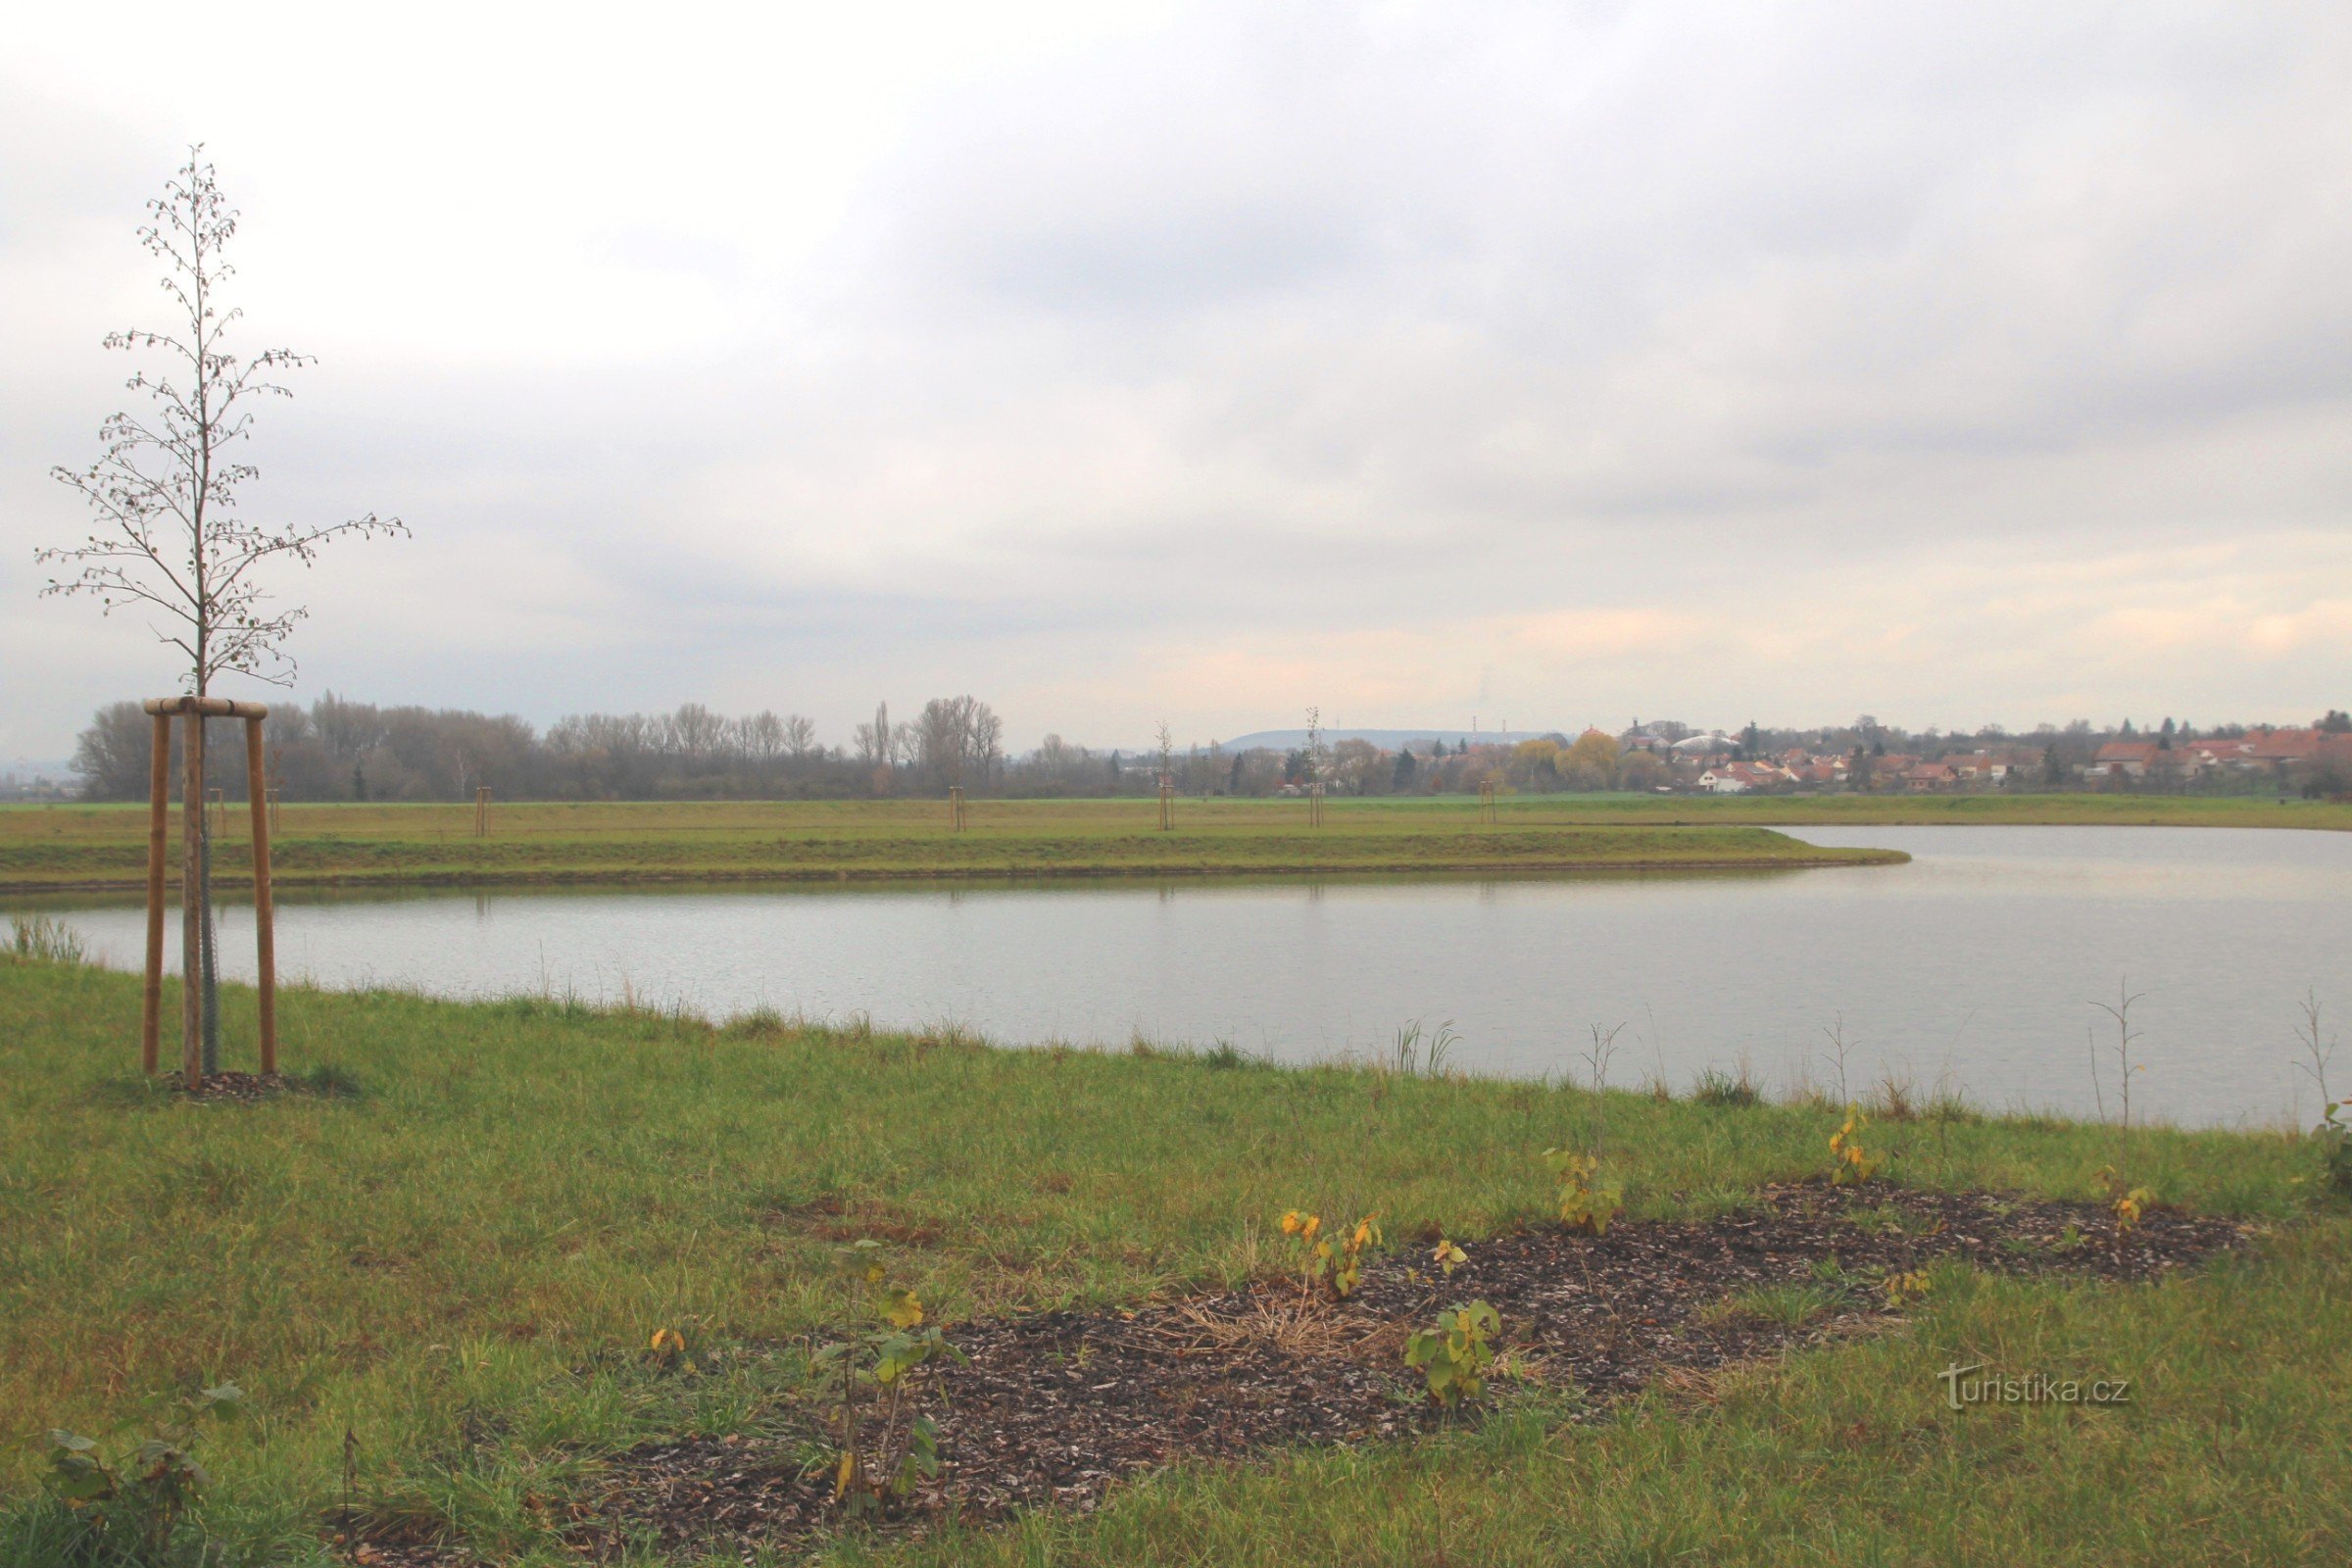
(239, 1088)
(1055, 1407)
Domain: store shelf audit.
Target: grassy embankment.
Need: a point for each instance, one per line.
(105, 847)
(461, 1262)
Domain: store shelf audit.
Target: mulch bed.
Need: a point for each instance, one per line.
(239, 1088)
(1055, 1407)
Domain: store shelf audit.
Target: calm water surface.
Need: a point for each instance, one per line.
(1978, 962)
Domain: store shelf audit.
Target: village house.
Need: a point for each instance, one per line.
(1738, 778)
(2122, 759)
(1989, 768)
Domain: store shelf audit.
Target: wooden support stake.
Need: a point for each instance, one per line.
(159, 828)
(264, 934)
(191, 902)
(1314, 805)
(217, 799)
(274, 822)
(1486, 800)
(1167, 804)
(954, 808)
(481, 812)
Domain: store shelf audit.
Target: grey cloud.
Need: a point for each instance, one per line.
(1337, 320)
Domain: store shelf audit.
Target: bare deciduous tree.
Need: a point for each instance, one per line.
(172, 538)
(957, 740)
(165, 489)
(873, 740)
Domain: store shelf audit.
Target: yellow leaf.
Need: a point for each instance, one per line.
(905, 1311)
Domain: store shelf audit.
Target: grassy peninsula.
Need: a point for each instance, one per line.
(104, 848)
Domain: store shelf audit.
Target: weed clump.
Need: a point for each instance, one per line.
(126, 1509)
(1715, 1086)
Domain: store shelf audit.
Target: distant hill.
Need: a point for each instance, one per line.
(1388, 740)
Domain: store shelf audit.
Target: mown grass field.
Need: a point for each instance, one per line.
(461, 1262)
(105, 847)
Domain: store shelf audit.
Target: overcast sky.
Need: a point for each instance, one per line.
(1546, 363)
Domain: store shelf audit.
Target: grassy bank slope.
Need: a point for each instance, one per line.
(105, 847)
(2021, 810)
(457, 1262)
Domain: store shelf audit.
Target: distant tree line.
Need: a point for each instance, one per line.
(338, 749)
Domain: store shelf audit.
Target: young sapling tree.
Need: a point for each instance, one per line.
(174, 538)
(166, 490)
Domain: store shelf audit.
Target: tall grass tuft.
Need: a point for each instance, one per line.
(1716, 1087)
(41, 939)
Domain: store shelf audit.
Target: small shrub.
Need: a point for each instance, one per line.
(667, 1350)
(1453, 1355)
(2123, 1200)
(1337, 1267)
(2332, 1134)
(1850, 1165)
(2335, 1138)
(1447, 1257)
(887, 1445)
(128, 1507)
(1587, 1203)
(1904, 1288)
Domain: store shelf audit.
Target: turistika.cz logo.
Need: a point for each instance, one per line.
(1964, 1386)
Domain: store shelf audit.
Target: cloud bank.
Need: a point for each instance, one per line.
(1557, 364)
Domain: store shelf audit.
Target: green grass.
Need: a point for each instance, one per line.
(458, 1261)
(104, 848)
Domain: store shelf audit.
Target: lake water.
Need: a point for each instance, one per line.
(1977, 963)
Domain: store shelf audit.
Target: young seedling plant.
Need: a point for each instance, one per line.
(2123, 1200)
(2334, 1133)
(1453, 1353)
(1850, 1165)
(130, 1503)
(888, 1446)
(1588, 1203)
(1339, 1266)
